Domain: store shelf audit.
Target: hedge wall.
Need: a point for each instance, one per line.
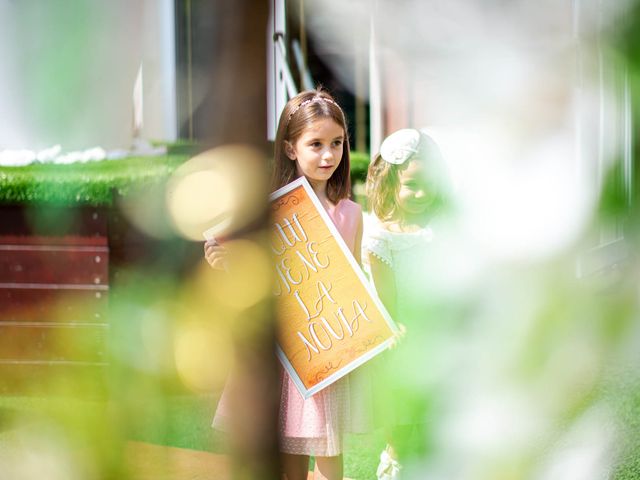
(94, 183)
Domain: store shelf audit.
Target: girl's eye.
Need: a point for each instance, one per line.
(315, 144)
(337, 143)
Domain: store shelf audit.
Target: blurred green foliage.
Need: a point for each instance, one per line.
(614, 199)
(94, 183)
(91, 183)
(359, 166)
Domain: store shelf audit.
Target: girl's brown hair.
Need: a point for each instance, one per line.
(298, 114)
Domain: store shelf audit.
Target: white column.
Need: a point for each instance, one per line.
(276, 64)
(375, 91)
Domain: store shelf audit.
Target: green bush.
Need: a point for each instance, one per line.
(94, 183)
(359, 166)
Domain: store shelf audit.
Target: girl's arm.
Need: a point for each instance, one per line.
(382, 277)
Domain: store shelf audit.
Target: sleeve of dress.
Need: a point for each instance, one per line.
(375, 241)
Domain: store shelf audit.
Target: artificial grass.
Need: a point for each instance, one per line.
(182, 421)
(94, 183)
(185, 422)
(91, 183)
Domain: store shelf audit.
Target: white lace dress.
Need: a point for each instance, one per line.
(400, 383)
(407, 256)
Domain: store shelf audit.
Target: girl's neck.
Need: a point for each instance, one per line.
(408, 224)
(320, 189)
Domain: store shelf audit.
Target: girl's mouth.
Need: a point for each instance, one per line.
(418, 204)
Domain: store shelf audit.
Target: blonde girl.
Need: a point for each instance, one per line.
(406, 186)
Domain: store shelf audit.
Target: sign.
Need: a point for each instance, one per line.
(329, 320)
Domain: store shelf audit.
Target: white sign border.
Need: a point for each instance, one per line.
(308, 392)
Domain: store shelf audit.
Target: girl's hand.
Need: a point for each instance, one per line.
(402, 331)
(216, 255)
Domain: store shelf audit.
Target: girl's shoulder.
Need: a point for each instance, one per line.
(374, 228)
(349, 207)
(348, 204)
(379, 231)
(375, 240)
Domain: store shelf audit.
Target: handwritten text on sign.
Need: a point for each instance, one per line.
(329, 322)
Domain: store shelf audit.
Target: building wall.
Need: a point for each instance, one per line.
(68, 70)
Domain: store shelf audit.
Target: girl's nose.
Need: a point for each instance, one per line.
(327, 154)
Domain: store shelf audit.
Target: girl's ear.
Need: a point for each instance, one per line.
(288, 149)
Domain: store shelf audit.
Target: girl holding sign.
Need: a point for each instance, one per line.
(312, 141)
(406, 185)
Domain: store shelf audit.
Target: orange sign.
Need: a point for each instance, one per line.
(329, 319)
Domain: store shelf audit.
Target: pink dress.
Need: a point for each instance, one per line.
(315, 426)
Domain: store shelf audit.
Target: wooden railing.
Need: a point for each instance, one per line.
(54, 289)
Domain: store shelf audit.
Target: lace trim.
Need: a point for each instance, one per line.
(380, 257)
(402, 241)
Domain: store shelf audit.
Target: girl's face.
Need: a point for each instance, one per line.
(414, 195)
(318, 151)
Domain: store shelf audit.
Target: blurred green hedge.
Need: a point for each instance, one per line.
(95, 183)
(359, 166)
(91, 183)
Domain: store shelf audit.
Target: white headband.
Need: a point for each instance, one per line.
(400, 146)
(311, 100)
